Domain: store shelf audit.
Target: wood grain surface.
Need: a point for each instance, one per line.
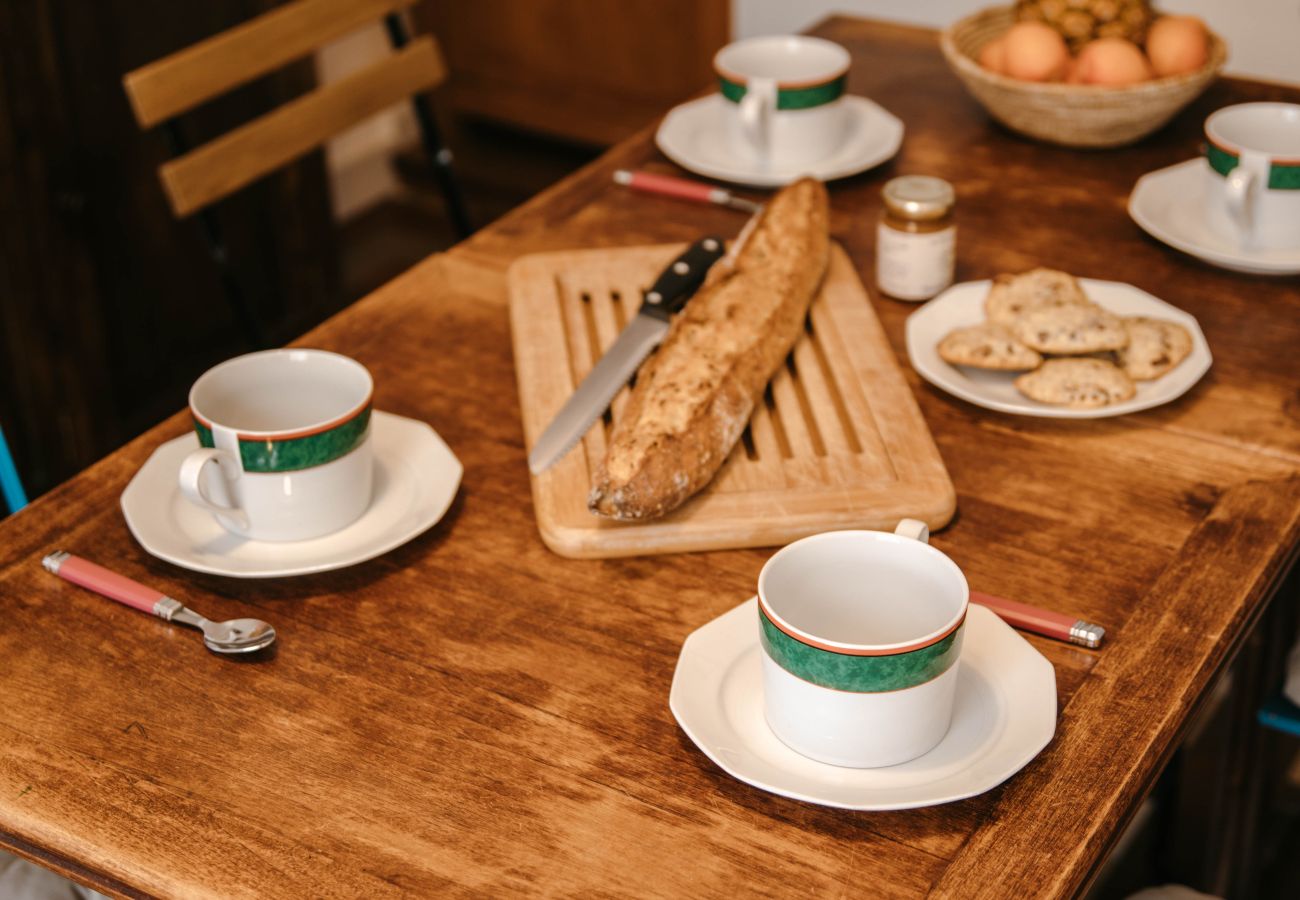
(590, 73)
(473, 715)
(836, 442)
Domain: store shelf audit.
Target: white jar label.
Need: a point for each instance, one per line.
(914, 266)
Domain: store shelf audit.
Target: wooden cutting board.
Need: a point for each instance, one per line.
(838, 441)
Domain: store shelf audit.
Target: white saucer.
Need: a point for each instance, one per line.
(963, 304)
(1168, 204)
(416, 478)
(1005, 714)
(693, 136)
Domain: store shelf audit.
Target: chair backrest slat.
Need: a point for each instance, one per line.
(245, 154)
(210, 68)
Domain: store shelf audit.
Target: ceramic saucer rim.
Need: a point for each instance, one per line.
(950, 309)
(442, 485)
(841, 164)
(984, 777)
(1140, 210)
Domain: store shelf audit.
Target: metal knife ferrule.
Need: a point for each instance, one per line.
(1086, 634)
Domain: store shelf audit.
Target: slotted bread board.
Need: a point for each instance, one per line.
(837, 440)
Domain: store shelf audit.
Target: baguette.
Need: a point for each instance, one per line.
(693, 397)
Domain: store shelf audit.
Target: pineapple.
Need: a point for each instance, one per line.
(1080, 21)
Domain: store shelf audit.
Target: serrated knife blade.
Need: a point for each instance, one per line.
(588, 403)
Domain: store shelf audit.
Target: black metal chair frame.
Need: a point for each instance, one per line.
(440, 158)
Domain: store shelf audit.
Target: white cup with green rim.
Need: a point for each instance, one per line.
(1252, 152)
(285, 451)
(861, 634)
(784, 92)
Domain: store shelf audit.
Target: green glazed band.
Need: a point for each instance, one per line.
(793, 97)
(1282, 176)
(860, 674)
(262, 455)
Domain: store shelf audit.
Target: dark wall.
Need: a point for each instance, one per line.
(109, 308)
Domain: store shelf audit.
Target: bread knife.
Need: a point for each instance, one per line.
(675, 285)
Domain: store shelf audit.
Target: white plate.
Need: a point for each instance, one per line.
(1005, 714)
(963, 304)
(693, 135)
(1168, 204)
(416, 478)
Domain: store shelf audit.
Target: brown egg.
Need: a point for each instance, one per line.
(1111, 61)
(993, 55)
(1033, 51)
(1177, 45)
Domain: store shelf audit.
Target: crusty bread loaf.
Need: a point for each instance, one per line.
(694, 396)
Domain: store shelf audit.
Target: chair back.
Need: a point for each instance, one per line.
(177, 83)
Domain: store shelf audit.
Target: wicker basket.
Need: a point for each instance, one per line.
(1071, 114)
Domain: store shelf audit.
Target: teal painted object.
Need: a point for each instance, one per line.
(1280, 177)
(11, 486)
(292, 455)
(790, 98)
(859, 674)
(1281, 714)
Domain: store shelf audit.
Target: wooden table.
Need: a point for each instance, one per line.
(472, 714)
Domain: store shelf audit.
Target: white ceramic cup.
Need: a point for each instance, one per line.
(861, 634)
(285, 444)
(785, 93)
(1253, 175)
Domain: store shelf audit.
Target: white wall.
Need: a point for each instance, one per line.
(360, 160)
(1263, 36)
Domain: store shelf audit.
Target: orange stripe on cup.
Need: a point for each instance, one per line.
(857, 651)
(294, 435)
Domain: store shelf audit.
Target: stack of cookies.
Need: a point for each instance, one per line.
(1073, 352)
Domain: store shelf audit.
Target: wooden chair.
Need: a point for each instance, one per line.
(199, 177)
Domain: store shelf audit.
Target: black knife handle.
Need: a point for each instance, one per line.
(680, 280)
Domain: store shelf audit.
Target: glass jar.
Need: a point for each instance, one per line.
(916, 239)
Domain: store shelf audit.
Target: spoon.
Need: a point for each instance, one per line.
(234, 636)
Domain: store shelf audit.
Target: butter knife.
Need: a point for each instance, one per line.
(675, 285)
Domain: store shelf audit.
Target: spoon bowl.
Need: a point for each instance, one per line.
(238, 636)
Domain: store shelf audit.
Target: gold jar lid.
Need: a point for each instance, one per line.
(919, 197)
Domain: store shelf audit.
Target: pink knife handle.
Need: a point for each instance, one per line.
(100, 580)
(1070, 629)
(667, 185)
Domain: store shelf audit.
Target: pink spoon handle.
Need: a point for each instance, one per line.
(117, 587)
(672, 187)
(1046, 622)
(683, 189)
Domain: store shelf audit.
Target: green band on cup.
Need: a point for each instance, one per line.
(790, 98)
(859, 674)
(1281, 176)
(292, 454)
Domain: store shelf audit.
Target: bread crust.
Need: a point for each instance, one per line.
(693, 397)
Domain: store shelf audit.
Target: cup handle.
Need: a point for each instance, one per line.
(191, 482)
(1239, 193)
(914, 529)
(756, 108)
